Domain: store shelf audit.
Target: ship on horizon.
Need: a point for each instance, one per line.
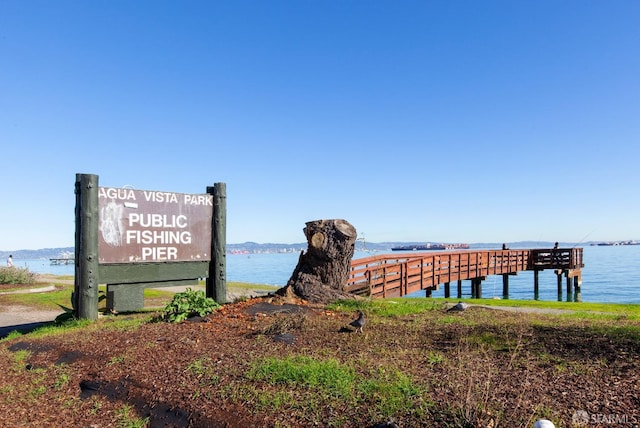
(431, 247)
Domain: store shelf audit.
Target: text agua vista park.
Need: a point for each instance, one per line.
(152, 225)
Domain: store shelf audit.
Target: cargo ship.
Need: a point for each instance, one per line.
(431, 247)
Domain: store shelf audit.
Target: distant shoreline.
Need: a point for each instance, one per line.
(257, 248)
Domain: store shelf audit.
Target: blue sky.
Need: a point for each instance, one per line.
(445, 121)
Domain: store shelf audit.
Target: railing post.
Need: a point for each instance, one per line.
(384, 281)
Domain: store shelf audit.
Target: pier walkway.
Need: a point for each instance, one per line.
(396, 275)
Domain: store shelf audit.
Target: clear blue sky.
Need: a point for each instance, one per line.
(447, 121)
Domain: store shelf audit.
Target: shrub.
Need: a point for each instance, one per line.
(14, 275)
(187, 304)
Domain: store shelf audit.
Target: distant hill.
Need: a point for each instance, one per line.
(44, 253)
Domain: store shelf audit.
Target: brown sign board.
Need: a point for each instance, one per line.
(140, 226)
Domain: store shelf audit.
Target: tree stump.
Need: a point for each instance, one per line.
(322, 272)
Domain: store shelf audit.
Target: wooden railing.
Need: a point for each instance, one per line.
(395, 275)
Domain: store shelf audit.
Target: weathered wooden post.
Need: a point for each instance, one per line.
(216, 285)
(459, 289)
(569, 286)
(536, 284)
(447, 290)
(559, 277)
(85, 299)
(577, 285)
(505, 286)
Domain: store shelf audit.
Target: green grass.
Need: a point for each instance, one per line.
(405, 306)
(389, 307)
(62, 294)
(387, 390)
(251, 286)
(126, 418)
(46, 300)
(128, 323)
(629, 310)
(330, 376)
(204, 370)
(381, 307)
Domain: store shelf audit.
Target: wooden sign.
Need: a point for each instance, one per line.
(139, 226)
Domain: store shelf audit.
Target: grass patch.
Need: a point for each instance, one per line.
(126, 418)
(204, 370)
(389, 307)
(154, 297)
(19, 357)
(631, 311)
(47, 300)
(329, 376)
(250, 286)
(383, 391)
(128, 323)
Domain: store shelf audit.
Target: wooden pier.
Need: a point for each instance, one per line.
(397, 275)
(62, 261)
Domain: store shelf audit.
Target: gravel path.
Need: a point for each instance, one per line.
(23, 318)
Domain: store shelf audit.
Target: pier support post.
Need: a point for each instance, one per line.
(505, 286)
(447, 290)
(476, 288)
(569, 286)
(536, 284)
(559, 276)
(427, 292)
(577, 285)
(459, 289)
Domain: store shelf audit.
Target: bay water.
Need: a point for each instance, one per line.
(611, 275)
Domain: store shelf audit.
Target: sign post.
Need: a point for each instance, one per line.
(217, 280)
(85, 297)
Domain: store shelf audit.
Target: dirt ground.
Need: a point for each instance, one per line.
(478, 368)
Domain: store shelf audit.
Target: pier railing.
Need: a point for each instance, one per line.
(395, 275)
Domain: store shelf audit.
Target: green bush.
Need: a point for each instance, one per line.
(14, 275)
(187, 304)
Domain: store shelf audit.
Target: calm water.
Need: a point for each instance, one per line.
(611, 274)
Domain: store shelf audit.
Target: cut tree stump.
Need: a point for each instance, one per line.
(322, 272)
